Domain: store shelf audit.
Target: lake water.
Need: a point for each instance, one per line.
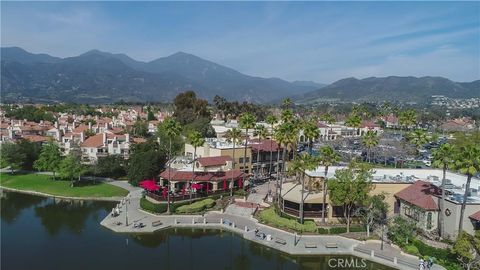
(41, 233)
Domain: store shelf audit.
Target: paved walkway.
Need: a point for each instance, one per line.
(237, 219)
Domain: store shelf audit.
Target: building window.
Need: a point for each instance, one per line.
(429, 220)
(240, 160)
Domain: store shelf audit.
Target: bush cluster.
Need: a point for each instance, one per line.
(195, 207)
(269, 217)
(153, 207)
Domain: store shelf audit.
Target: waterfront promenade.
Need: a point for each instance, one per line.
(240, 221)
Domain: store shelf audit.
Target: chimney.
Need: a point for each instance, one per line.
(106, 126)
(90, 125)
(56, 124)
(104, 138)
(82, 136)
(127, 137)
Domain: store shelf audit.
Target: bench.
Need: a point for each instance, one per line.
(331, 245)
(280, 241)
(310, 245)
(156, 223)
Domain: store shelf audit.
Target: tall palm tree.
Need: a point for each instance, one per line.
(172, 130)
(287, 116)
(233, 136)
(443, 157)
(354, 121)
(467, 161)
(261, 133)
(298, 167)
(288, 134)
(271, 120)
(280, 139)
(418, 137)
(247, 121)
(196, 139)
(370, 140)
(286, 103)
(311, 132)
(328, 157)
(407, 118)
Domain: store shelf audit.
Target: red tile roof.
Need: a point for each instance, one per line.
(266, 145)
(420, 194)
(475, 216)
(214, 161)
(80, 129)
(93, 141)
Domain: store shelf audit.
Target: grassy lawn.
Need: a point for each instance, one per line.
(45, 184)
(269, 217)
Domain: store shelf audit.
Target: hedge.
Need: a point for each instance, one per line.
(269, 217)
(195, 207)
(411, 249)
(153, 207)
(444, 257)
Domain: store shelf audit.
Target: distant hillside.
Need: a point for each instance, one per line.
(102, 77)
(404, 89)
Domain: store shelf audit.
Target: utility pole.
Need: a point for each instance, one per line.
(126, 214)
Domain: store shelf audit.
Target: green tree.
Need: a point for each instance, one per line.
(443, 157)
(49, 159)
(328, 157)
(374, 211)
(247, 121)
(140, 128)
(70, 168)
(400, 231)
(261, 133)
(110, 166)
(467, 161)
(467, 249)
(311, 132)
(196, 140)
(172, 130)
(287, 134)
(350, 188)
(370, 140)
(327, 118)
(298, 167)
(150, 115)
(271, 120)
(31, 151)
(354, 121)
(407, 119)
(418, 137)
(11, 155)
(145, 162)
(233, 136)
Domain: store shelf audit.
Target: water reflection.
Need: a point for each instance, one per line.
(36, 228)
(12, 204)
(68, 214)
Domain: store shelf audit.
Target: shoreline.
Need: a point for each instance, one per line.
(31, 192)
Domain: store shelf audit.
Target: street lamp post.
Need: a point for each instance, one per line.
(126, 214)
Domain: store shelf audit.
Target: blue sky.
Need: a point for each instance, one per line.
(319, 41)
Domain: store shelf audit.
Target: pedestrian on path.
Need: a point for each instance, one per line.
(422, 266)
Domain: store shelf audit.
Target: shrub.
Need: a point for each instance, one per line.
(323, 231)
(269, 217)
(152, 207)
(195, 207)
(240, 192)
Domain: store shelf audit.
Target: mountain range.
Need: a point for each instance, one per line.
(102, 77)
(392, 88)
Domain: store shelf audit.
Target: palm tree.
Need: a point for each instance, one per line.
(196, 139)
(247, 121)
(287, 103)
(443, 157)
(288, 134)
(310, 130)
(287, 116)
(261, 133)
(233, 136)
(467, 161)
(407, 118)
(418, 137)
(354, 121)
(271, 120)
(298, 167)
(172, 130)
(328, 157)
(370, 140)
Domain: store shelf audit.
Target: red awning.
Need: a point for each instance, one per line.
(150, 185)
